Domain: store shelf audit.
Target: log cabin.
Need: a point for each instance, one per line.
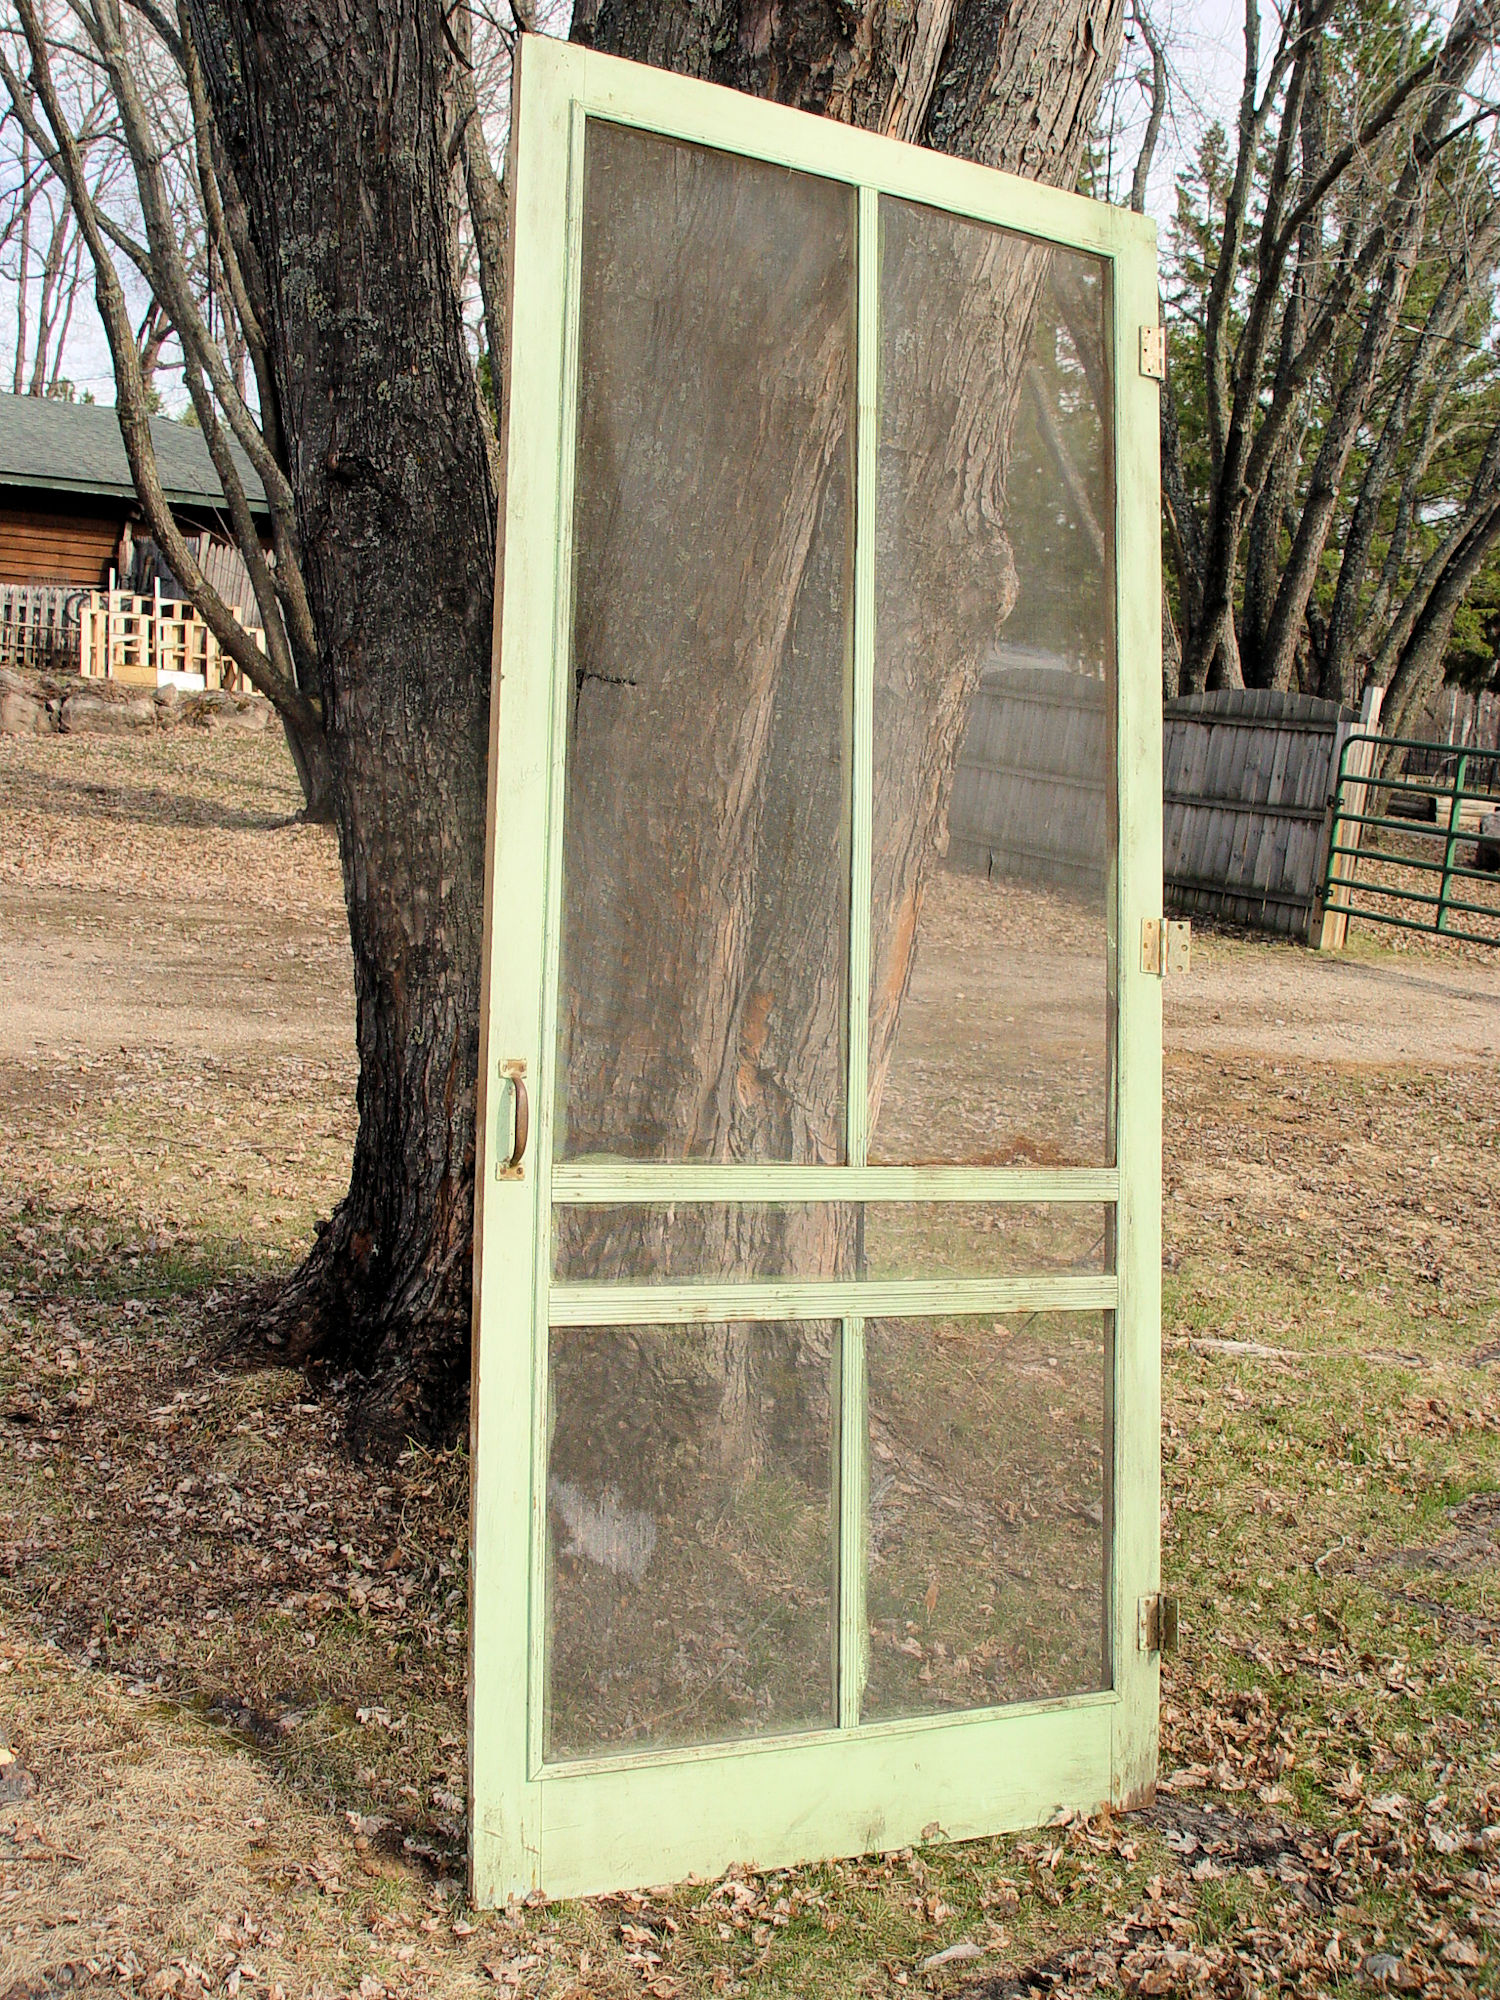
(68, 510)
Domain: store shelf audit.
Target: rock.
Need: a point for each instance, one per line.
(21, 714)
(16, 1782)
(252, 713)
(216, 708)
(95, 714)
(1487, 853)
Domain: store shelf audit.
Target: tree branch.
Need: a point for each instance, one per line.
(134, 420)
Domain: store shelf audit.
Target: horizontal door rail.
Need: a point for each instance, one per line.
(598, 1181)
(890, 1730)
(823, 1298)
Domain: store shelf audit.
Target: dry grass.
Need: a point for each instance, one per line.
(232, 1661)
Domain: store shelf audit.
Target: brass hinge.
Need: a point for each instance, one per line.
(1165, 947)
(1156, 1624)
(1154, 353)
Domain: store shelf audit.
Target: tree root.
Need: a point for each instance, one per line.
(399, 1363)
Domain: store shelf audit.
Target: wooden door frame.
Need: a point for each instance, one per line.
(608, 1823)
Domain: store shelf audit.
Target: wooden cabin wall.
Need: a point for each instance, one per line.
(40, 546)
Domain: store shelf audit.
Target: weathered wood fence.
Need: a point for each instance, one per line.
(1030, 792)
(38, 623)
(221, 563)
(1247, 779)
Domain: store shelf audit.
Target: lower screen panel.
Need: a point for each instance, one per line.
(690, 1535)
(667, 1242)
(988, 1508)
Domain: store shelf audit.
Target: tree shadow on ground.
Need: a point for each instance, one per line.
(152, 805)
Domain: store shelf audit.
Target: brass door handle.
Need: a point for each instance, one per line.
(515, 1074)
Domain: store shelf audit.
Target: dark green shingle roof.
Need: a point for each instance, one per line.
(77, 448)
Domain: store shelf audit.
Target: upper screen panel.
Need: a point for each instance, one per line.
(702, 1010)
(993, 834)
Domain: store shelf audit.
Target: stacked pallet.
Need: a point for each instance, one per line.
(152, 642)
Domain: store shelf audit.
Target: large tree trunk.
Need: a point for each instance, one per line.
(338, 135)
(335, 125)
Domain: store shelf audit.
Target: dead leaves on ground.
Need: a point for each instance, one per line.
(193, 1533)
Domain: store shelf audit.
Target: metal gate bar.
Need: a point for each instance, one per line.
(1340, 884)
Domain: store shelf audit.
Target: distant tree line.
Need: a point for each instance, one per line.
(1331, 422)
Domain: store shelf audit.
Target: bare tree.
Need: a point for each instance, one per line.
(47, 271)
(352, 219)
(149, 83)
(1359, 187)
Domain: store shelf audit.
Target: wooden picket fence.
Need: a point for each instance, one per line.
(153, 641)
(38, 623)
(1247, 781)
(1247, 784)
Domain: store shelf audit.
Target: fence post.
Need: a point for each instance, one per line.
(1335, 920)
(1450, 845)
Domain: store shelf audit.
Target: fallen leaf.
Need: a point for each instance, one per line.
(954, 1955)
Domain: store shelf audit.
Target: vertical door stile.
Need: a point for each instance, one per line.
(546, 1078)
(853, 1421)
(1135, 1409)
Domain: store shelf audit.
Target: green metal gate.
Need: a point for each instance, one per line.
(1434, 881)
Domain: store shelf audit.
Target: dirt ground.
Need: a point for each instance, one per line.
(231, 1660)
(150, 895)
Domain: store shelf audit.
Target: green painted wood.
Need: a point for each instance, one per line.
(506, 1842)
(629, 1820)
(621, 1181)
(862, 731)
(837, 1793)
(632, 94)
(853, 1543)
(823, 1298)
(1136, 1375)
(544, 1140)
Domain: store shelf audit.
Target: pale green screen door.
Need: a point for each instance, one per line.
(816, 1378)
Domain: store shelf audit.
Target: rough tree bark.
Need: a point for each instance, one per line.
(736, 1053)
(335, 129)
